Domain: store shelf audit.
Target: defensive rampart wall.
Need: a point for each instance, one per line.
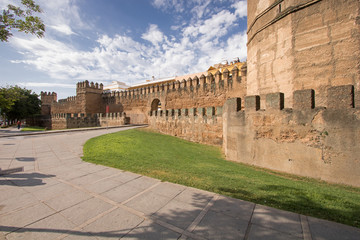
(306, 140)
(194, 92)
(203, 125)
(68, 120)
(310, 141)
(301, 44)
(88, 100)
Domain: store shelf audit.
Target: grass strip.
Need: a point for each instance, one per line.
(32, 128)
(200, 166)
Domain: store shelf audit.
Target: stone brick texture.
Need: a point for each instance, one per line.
(322, 143)
(293, 107)
(300, 44)
(203, 125)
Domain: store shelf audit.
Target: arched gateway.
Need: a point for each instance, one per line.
(155, 105)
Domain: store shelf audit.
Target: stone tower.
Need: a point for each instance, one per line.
(89, 97)
(47, 99)
(302, 44)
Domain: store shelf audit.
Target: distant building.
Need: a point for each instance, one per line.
(186, 77)
(153, 82)
(116, 86)
(225, 65)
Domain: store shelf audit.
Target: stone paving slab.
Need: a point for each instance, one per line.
(216, 225)
(149, 230)
(60, 197)
(114, 225)
(282, 221)
(148, 202)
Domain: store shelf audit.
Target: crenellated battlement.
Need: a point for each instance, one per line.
(203, 124)
(308, 140)
(68, 99)
(339, 97)
(86, 84)
(81, 120)
(47, 99)
(47, 94)
(209, 83)
(294, 106)
(201, 112)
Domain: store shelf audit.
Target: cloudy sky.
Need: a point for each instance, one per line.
(123, 40)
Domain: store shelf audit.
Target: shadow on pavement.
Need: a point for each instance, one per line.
(227, 218)
(25, 159)
(24, 179)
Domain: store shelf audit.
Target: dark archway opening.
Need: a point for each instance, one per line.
(155, 105)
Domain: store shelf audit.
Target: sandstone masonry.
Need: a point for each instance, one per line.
(293, 107)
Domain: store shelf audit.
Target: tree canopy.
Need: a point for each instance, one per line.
(18, 103)
(22, 19)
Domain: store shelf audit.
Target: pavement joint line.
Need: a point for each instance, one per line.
(198, 219)
(168, 225)
(138, 213)
(247, 232)
(37, 220)
(108, 177)
(305, 227)
(130, 230)
(89, 221)
(36, 168)
(105, 199)
(13, 157)
(19, 208)
(140, 193)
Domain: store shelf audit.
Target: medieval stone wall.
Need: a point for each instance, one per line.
(203, 125)
(47, 99)
(306, 140)
(88, 100)
(300, 44)
(65, 121)
(194, 92)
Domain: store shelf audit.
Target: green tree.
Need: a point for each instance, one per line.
(22, 19)
(18, 103)
(8, 97)
(27, 105)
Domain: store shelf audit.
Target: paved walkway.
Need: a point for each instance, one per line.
(60, 197)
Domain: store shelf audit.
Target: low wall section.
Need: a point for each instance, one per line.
(40, 120)
(202, 125)
(65, 121)
(306, 140)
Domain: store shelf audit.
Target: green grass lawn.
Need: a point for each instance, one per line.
(175, 160)
(28, 129)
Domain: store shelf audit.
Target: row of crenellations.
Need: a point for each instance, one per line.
(224, 79)
(338, 97)
(89, 115)
(42, 94)
(68, 99)
(87, 84)
(201, 112)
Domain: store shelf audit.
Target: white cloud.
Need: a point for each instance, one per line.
(241, 8)
(153, 35)
(201, 9)
(201, 43)
(45, 84)
(176, 5)
(64, 29)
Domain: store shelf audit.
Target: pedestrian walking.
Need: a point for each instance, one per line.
(18, 124)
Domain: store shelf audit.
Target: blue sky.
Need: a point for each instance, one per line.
(123, 40)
